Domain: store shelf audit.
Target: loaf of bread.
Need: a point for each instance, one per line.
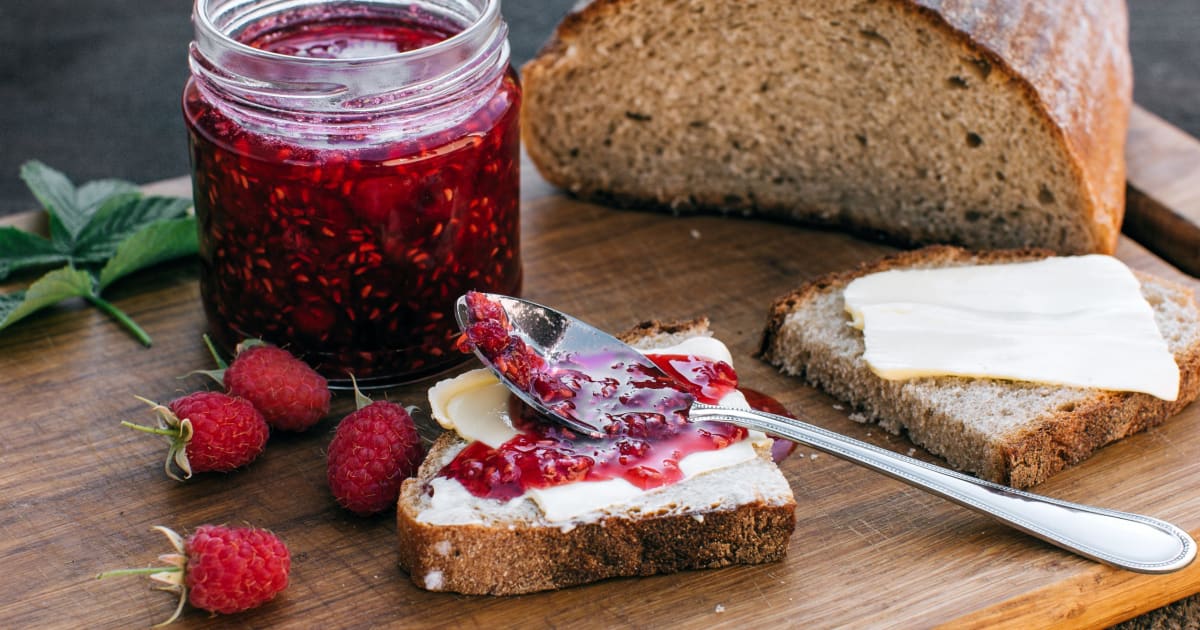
(985, 123)
(741, 514)
(1015, 433)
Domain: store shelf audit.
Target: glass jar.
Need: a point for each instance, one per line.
(355, 170)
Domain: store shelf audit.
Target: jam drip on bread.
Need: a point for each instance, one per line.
(646, 429)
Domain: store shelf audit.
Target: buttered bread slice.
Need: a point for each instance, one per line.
(1013, 432)
(732, 506)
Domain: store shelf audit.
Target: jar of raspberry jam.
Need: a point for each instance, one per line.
(355, 170)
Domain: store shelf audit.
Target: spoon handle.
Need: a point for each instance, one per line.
(1129, 541)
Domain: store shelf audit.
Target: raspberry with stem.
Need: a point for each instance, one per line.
(209, 431)
(219, 569)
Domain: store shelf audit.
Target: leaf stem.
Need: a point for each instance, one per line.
(212, 349)
(121, 317)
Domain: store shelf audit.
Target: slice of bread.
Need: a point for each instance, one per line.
(742, 514)
(986, 123)
(1013, 433)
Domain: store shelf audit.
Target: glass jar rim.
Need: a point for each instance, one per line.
(479, 27)
(250, 79)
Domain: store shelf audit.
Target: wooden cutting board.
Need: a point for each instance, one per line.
(79, 492)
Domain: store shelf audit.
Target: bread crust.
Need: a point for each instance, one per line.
(654, 328)
(1053, 441)
(1070, 61)
(495, 560)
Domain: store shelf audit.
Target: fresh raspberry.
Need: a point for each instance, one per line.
(209, 431)
(374, 449)
(221, 569)
(290, 395)
(234, 569)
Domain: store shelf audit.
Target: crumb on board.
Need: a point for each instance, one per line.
(858, 417)
(839, 407)
(719, 609)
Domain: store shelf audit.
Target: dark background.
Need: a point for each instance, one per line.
(91, 87)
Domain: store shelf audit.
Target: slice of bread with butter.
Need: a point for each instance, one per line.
(733, 505)
(1008, 364)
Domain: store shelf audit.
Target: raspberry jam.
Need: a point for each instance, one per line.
(347, 204)
(643, 448)
(643, 414)
(597, 391)
(780, 448)
(348, 38)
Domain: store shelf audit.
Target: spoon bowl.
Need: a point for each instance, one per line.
(568, 345)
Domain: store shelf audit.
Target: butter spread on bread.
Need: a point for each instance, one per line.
(1079, 321)
(738, 514)
(476, 406)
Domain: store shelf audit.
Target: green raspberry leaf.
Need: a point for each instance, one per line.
(121, 217)
(56, 193)
(105, 224)
(154, 243)
(70, 209)
(93, 195)
(20, 250)
(50, 289)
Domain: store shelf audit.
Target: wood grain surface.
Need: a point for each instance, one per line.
(1162, 206)
(80, 493)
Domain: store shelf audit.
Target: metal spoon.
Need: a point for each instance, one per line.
(1128, 541)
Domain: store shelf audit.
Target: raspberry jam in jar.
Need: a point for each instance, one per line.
(355, 170)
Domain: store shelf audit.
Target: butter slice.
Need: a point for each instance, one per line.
(1077, 321)
(474, 405)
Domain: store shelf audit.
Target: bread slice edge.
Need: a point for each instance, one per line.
(1048, 443)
